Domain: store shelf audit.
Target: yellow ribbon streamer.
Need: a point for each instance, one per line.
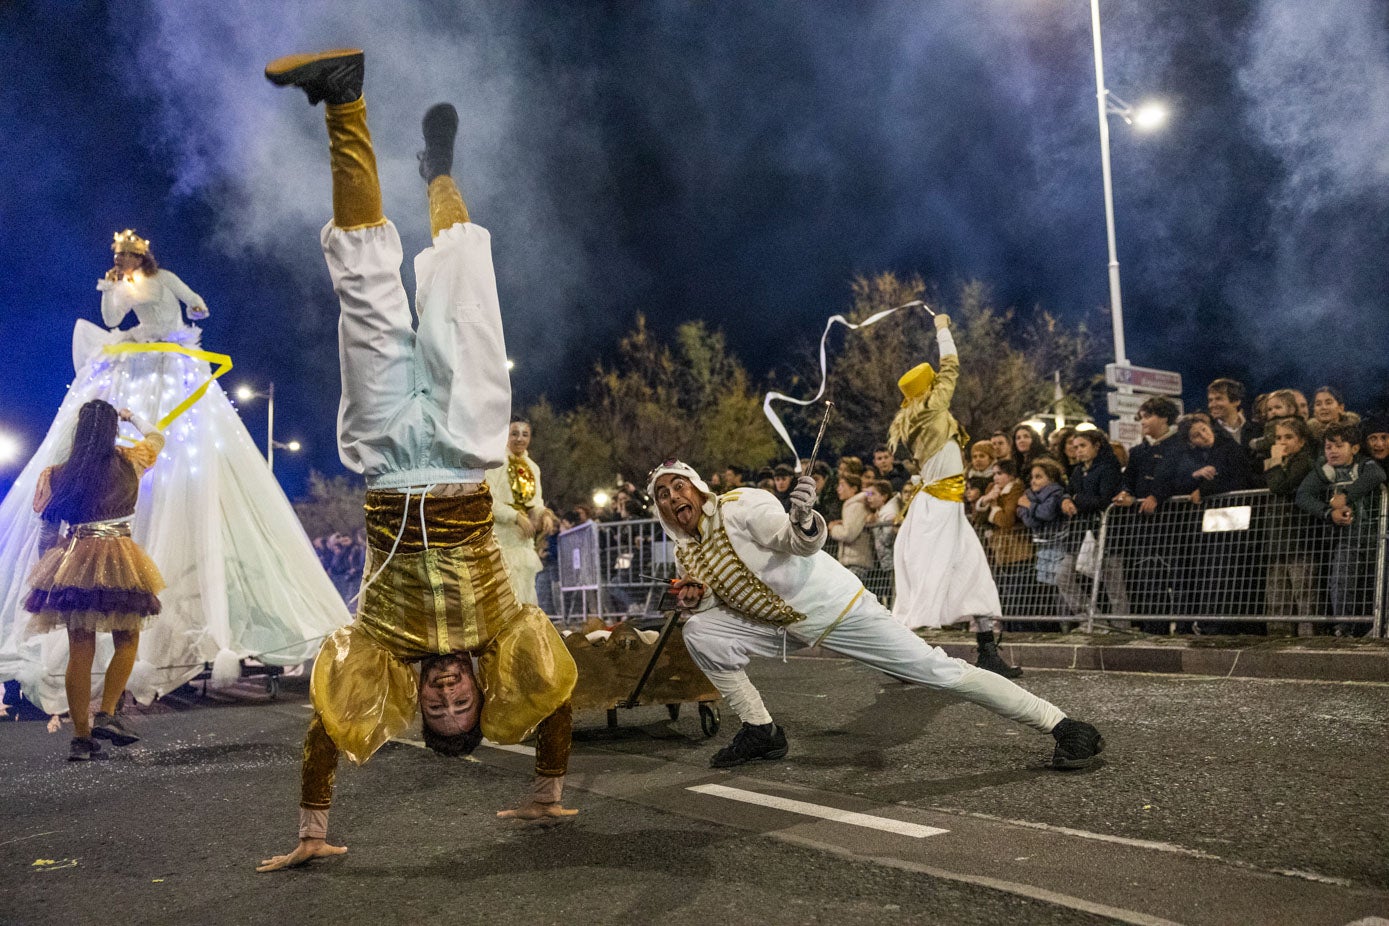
(223, 361)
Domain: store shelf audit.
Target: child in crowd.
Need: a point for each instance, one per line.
(1281, 405)
(1290, 587)
(1010, 546)
(979, 478)
(1328, 408)
(1040, 510)
(1342, 491)
(883, 512)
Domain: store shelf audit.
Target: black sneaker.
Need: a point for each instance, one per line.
(109, 727)
(335, 76)
(767, 741)
(84, 749)
(440, 126)
(1077, 744)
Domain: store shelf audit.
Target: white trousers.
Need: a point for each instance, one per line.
(722, 643)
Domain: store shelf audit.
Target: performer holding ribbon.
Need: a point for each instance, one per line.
(756, 576)
(95, 579)
(423, 416)
(941, 573)
(518, 508)
(243, 577)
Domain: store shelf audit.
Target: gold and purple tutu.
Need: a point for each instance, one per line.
(97, 579)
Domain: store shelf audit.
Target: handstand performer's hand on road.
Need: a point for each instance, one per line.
(306, 850)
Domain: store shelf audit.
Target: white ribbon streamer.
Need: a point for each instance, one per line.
(772, 396)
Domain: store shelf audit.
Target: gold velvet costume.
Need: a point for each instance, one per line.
(452, 596)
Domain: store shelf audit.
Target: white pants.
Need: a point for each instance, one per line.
(722, 643)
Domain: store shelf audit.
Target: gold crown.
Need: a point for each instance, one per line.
(127, 242)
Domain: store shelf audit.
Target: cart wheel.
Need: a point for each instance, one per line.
(673, 710)
(272, 686)
(708, 719)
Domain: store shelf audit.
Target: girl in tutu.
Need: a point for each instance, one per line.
(95, 578)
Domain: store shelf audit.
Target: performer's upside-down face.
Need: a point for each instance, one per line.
(679, 501)
(450, 702)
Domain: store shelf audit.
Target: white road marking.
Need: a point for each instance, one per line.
(1151, 845)
(900, 827)
(519, 750)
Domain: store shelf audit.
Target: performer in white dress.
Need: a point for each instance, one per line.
(243, 579)
(518, 511)
(941, 573)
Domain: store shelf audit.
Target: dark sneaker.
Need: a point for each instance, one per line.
(335, 76)
(990, 659)
(767, 741)
(1077, 744)
(84, 749)
(109, 727)
(440, 127)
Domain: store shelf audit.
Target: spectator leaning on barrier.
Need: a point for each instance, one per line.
(1224, 403)
(1208, 462)
(1290, 586)
(1376, 431)
(1095, 480)
(1340, 490)
(1156, 417)
(1328, 408)
(1040, 510)
(855, 544)
(883, 511)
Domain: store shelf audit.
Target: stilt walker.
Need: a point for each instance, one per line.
(941, 572)
(423, 416)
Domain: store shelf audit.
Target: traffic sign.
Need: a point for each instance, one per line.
(1127, 405)
(1143, 379)
(1126, 432)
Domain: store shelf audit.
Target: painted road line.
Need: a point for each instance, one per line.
(519, 750)
(900, 827)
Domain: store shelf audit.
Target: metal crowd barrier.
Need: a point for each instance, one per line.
(1238, 558)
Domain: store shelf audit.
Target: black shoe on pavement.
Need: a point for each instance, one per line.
(84, 749)
(109, 727)
(990, 659)
(440, 127)
(1078, 744)
(765, 741)
(335, 76)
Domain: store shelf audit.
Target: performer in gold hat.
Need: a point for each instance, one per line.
(423, 416)
(942, 575)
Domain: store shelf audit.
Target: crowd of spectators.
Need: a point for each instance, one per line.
(343, 557)
(1037, 502)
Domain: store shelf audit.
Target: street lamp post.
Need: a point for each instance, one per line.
(1147, 116)
(245, 394)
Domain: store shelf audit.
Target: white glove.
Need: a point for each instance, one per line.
(803, 498)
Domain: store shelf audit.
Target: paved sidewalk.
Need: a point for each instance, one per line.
(1323, 659)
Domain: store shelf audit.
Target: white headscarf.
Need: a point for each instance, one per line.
(678, 468)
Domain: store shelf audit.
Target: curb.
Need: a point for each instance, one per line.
(1317, 665)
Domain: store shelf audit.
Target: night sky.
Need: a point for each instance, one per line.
(736, 162)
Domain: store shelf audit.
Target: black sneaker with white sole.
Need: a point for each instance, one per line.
(84, 749)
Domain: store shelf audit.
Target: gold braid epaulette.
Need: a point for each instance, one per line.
(716, 565)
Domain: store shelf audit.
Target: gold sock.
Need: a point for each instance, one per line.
(446, 207)
(78, 681)
(356, 188)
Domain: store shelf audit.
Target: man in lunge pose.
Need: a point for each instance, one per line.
(756, 575)
(424, 413)
(941, 574)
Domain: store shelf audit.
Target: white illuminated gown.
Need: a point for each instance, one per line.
(243, 578)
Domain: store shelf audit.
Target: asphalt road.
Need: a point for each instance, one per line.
(1218, 801)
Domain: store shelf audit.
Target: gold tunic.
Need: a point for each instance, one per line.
(452, 597)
